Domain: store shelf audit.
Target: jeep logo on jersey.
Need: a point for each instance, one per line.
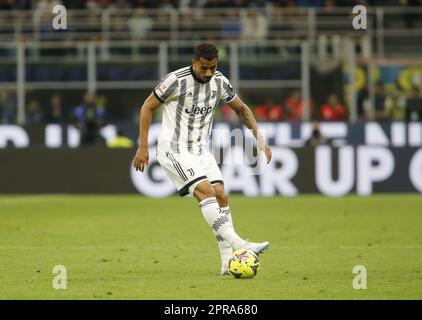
(197, 110)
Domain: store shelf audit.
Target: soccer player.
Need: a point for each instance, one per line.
(189, 97)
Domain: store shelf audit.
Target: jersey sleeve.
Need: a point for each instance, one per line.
(228, 93)
(166, 88)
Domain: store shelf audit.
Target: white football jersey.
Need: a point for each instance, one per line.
(188, 108)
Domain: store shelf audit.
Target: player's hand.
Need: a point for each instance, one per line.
(268, 153)
(263, 147)
(141, 158)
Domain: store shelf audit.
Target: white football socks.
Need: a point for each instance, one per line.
(224, 246)
(220, 222)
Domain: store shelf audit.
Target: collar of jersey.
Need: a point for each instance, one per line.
(194, 75)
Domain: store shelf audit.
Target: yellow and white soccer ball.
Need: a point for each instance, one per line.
(244, 264)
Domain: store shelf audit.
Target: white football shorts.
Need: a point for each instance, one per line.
(187, 170)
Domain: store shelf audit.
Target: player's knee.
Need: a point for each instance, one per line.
(222, 199)
(211, 192)
(205, 194)
(204, 190)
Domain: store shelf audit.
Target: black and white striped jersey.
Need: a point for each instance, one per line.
(188, 108)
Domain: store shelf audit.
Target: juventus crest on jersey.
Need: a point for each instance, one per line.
(188, 108)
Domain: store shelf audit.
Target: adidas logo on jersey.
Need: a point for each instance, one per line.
(197, 110)
(189, 94)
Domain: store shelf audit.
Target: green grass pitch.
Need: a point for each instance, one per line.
(133, 247)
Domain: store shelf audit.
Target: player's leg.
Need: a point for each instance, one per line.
(205, 193)
(223, 201)
(224, 246)
(189, 177)
(218, 221)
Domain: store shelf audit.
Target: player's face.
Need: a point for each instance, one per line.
(204, 69)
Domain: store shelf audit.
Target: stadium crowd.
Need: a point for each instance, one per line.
(82, 4)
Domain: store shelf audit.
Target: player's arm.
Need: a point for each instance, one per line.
(142, 155)
(247, 118)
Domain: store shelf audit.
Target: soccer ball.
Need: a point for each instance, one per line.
(244, 264)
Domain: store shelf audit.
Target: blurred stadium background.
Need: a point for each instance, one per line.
(341, 108)
(120, 49)
(293, 62)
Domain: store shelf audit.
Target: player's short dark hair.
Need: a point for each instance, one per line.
(206, 51)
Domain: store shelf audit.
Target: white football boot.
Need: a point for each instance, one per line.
(255, 247)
